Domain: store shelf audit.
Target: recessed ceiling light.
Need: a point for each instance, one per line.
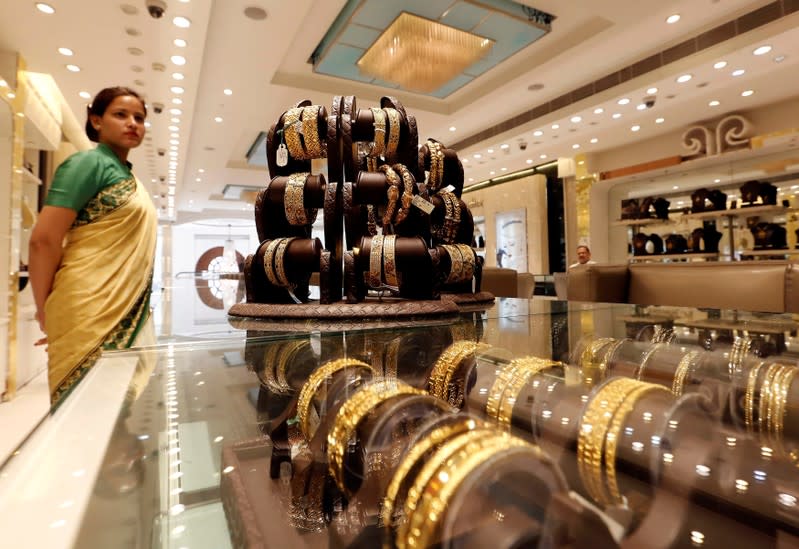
(73, 68)
(713, 103)
(65, 51)
(182, 22)
(173, 128)
(747, 93)
(616, 115)
(594, 140)
(471, 179)
(175, 111)
(179, 42)
(451, 128)
(176, 89)
(762, 50)
(490, 151)
(720, 65)
(576, 146)
(576, 119)
(465, 160)
(675, 187)
(85, 95)
(173, 147)
(492, 172)
(177, 101)
(45, 8)
(641, 107)
(201, 170)
(504, 146)
(477, 155)
(555, 126)
(623, 101)
(717, 181)
(635, 128)
(177, 76)
(198, 179)
(538, 133)
(174, 135)
(599, 110)
(529, 161)
(779, 59)
(173, 153)
(671, 19)
(684, 78)
(652, 91)
(178, 60)
(174, 141)
(504, 169)
(542, 157)
(659, 120)
(738, 72)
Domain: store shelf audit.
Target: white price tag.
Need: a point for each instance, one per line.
(422, 204)
(447, 189)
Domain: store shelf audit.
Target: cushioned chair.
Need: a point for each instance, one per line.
(525, 285)
(500, 282)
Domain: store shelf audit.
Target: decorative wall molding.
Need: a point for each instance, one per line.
(731, 133)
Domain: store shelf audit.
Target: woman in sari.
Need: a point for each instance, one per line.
(93, 246)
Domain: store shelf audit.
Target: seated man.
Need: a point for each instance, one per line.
(583, 256)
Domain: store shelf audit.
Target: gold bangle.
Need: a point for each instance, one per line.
(350, 415)
(453, 224)
(393, 133)
(269, 261)
(765, 396)
(294, 201)
(455, 263)
(393, 193)
(280, 262)
(469, 261)
(614, 432)
(447, 364)
(525, 369)
(411, 459)
(740, 348)
(291, 121)
(390, 261)
(310, 132)
(380, 132)
(683, 367)
(311, 386)
(390, 365)
(749, 396)
(375, 260)
(436, 165)
(776, 406)
(591, 435)
(407, 192)
(286, 354)
(269, 363)
(639, 371)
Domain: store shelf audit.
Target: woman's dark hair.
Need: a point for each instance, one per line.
(100, 104)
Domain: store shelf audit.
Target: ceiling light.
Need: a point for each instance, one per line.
(490, 151)
(85, 95)
(73, 68)
(717, 181)
(529, 160)
(201, 170)
(713, 103)
(174, 119)
(747, 93)
(671, 19)
(492, 172)
(178, 76)
(738, 72)
(173, 153)
(762, 50)
(178, 60)
(779, 59)
(174, 141)
(538, 133)
(174, 135)
(542, 157)
(179, 42)
(465, 160)
(599, 110)
(641, 107)
(471, 179)
(594, 140)
(504, 146)
(635, 128)
(182, 22)
(623, 101)
(576, 146)
(616, 116)
(720, 65)
(173, 147)
(177, 101)
(198, 179)
(45, 8)
(652, 91)
(173, 128)
(504, 169)
(477, 155)
(175, 111)
(451, 128)
(65, 51)
(176, 89)
(659, 120)
(555, 126)
(576, 119)
(684, 78)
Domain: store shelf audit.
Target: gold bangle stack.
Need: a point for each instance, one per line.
(594, 425)
(393, 193)
(594, 369)
(284, 358)
(393, 133)
(522, 371)
(380, 132)
(280, 263)
(310, 132)
(447, 232)
(456, 266)
(375, 259)
(740, 348)
(315, 381)
(407, 192)
(749, 396)
(390, 260)
(436, 176)
(291, 120)
(269, 261)
(683, 368)
(411, 460)
(294, 201)
(447, 364)
(772, 404)
(351, 413)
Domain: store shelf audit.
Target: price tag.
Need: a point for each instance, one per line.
(282, 155)
(448, 189)
(424, 205)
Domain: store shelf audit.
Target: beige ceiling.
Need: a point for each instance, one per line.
(264, 63)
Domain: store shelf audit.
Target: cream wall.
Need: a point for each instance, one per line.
(529, 193)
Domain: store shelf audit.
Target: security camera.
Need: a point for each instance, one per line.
(522, 145)
(156, 8)
(161, 152)
(649, 101)
(158, 108)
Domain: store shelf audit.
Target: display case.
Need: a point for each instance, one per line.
(529, 423)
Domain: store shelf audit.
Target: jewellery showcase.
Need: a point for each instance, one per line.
(434, 438)
(407, 233)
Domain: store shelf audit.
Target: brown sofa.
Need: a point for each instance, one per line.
(768, 286)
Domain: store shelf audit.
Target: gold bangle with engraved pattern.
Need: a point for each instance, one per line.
(269, 261)
(447, 364)
(286, 355)
(456, 263)
(393, 133)
(294, 201)
(375, 260)
(393, 193)
(390, 260)
(407, 192)
(526, 368)
(315, 380)
(469, 261)
(350, 415)
(290, 122)
(310, 132)
(280, 262)
(380, 132)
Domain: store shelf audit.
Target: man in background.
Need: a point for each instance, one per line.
(583, 256)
